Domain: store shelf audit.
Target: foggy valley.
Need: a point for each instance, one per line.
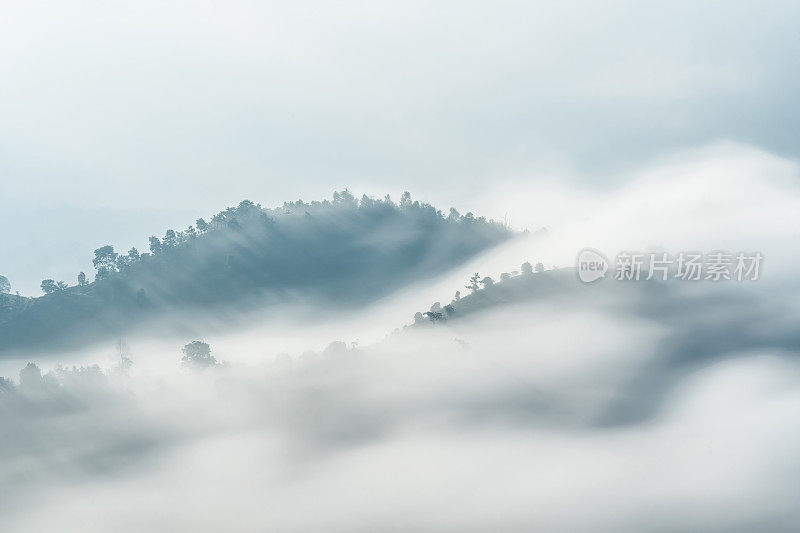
(313, 267)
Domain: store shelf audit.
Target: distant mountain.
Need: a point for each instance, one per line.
(346, 251)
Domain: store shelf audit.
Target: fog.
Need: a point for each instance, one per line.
(349, 363)
(654, 406)
(152, 114)
(510, 428)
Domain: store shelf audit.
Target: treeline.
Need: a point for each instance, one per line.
(344, 250)
(107, 261)
(528, 283)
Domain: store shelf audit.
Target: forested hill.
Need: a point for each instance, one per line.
(346, 250)
(480, 294)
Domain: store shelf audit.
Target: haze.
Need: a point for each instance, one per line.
(366, 359)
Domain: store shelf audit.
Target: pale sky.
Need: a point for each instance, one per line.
(133, 116)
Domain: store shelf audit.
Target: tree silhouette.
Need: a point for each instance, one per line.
(474, 282)
(105, 261)
(434, 316)
(81, 279)
(5, 285)
(48, 286)
(197, 354)
(170, 240)
(155, 245)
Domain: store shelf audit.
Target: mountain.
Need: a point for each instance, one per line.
(345, 251)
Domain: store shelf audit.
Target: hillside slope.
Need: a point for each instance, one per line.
(344, 251)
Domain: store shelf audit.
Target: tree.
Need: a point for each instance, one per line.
(155, 245)
(49, 286)
(505, 276)
(539, 267)
(5, 285)
(474, 282)
(105, 261)
(170, 239)
(219, 219)
(197, 354)
(124, 262)
(434, 316)
(367, 202)
(487, 282)
(246, 207)
(526, 268)
(202, 225)
(458, 295)
(61, 286)
(81, 279)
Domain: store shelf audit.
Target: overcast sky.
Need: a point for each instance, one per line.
(133, 115)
